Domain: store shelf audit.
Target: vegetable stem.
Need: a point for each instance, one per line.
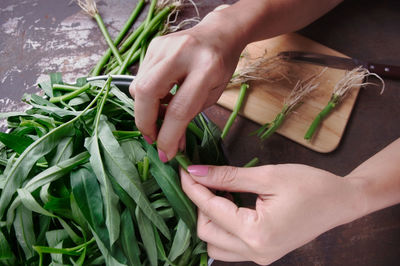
(70, 95)
(120, 36)
(318, 119)
(183, 160)
(64, 87)
(232, 117)
(195, 130)
(145, 33)
(251, 163)
(108, 38)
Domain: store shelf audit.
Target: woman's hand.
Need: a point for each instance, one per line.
(201, 61)
(295, 204)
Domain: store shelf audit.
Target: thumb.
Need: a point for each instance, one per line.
(229, 178)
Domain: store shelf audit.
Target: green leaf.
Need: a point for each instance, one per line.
(133, 149)
(109, 197)
(168, 181)
(23, 226)
(5, 249)
(30, 203)
(128, 239)
(63, 151)
(181, 241)
(15, 142)
(87, 194)
(57, 171)
(147, 235)
(126, 175)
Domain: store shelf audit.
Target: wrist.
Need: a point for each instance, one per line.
(360, 187)
(226, 32)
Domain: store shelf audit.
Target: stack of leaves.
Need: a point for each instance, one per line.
(80, 186)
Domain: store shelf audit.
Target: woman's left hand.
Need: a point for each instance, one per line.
(295, 204)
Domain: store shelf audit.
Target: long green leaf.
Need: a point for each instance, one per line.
(23, 226)
(87, 194)
(181, 241)
(167, 179)
(147, 235)
(128, 239)
(57, 171)
(127, 176)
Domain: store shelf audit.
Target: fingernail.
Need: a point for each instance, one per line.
(198, 170)
(163, 157)
(148, 139)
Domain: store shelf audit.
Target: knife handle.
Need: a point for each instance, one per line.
(385, 71)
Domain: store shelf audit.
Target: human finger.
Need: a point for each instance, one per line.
(220, 210)
(148, 89)
(234, 179)
(213, 234)
(186, 103)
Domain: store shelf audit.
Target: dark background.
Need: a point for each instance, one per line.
(42, 36)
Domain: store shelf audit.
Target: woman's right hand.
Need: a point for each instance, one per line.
(201, 61)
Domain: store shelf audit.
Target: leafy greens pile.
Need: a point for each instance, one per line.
(79, 183)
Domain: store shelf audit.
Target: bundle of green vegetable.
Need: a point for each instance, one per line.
(80, 186)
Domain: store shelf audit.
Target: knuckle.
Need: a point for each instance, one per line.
(142, 88)
(179, 110)
(226, 174)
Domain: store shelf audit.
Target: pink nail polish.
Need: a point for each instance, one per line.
(148, 139)
(198, 170)
(163, 157)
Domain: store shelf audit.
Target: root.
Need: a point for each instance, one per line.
(270, 69)
(354, 79)
(88, 6)
(302, 89)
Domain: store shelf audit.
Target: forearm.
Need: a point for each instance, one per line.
(378, 179)
(250, 20)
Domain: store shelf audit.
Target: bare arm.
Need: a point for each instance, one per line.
(378, 178)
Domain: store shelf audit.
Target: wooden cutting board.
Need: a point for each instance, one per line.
(265, 98)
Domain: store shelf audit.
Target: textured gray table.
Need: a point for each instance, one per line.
(43, 36)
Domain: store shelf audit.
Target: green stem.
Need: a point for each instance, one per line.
(101, 106)
(63, 87)
(135, 13)
(318, 119)
(146, 164)
(203, 259)
(151, 12)
(70, 95)
(146, 32)
(274, 125)
(131, 39)
(121, 134)
(183, 160)
(196, 130)
(114, 66)
(251, 163)
(108, 38)
(232, 117)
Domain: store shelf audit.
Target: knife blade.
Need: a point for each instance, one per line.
(385, 71)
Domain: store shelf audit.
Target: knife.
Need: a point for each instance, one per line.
(385, 71)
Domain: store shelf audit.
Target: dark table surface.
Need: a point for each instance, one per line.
(38, 37)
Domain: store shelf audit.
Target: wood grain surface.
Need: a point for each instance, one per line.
(265, 98)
